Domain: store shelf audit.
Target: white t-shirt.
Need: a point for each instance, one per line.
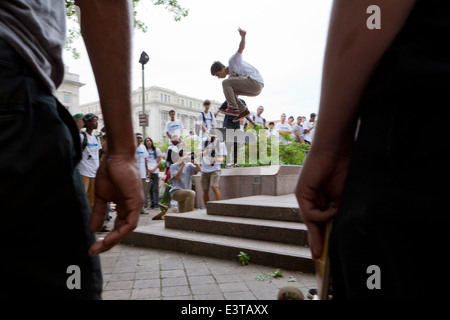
(209, 121)
(185, 181)
(174, 128)
(258, 120)
(90, 158)
(306, 126)
(141, 155)
(282, 126)
(220, 150)
(239, 68)
(152, 159)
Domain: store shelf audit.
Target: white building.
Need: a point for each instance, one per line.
(158, 102)
(68, 92)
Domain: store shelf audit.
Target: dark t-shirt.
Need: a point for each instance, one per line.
(396, 183)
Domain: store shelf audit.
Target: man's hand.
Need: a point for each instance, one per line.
(319, 192)
(242, 33)
(117, 181)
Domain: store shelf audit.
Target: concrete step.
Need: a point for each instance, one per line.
(280, 208)
(286, 256)
(258, 229)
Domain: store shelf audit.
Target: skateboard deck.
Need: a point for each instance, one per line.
(323, 267)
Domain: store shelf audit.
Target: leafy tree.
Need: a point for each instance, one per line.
(74, 32)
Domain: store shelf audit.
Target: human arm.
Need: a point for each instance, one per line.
(157, 165)
(242, 33)
(298, 135)
(146, 166)
(352, 54)
(106, 27)
(177, 175)
(308, 126)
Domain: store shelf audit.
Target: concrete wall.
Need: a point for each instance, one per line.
(251, 181)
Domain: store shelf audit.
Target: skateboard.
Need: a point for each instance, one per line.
(323, 267)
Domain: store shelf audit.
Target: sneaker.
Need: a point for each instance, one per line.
(242, 114)
(229, 111)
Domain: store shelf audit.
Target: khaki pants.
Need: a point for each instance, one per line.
(186, 200)
(210, 179)
(89, 187)
(236, 86)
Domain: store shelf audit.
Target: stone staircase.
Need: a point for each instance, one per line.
(267, 228)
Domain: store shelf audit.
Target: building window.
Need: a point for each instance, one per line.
(66, 98)
(182, 102)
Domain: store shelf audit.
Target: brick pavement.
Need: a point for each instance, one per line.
(136, 273)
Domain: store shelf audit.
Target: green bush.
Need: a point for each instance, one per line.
(290, 151)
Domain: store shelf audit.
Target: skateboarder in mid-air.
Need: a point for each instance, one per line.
(243, 79)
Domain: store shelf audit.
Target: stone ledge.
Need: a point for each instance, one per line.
(250, 181)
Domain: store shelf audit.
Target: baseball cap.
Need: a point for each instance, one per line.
(88, 117)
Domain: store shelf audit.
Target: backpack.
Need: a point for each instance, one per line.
(204, 121)
(85, 141)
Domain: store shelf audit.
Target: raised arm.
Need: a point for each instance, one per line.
(242, 33)
(106, 27)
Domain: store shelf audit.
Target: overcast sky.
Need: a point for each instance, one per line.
(285, 42)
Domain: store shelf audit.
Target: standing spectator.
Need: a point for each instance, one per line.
(192, 136)
(141, 156)
(283, 126)
(303, 119)
(308, 128)
(79, 120)
(90, 158)
(205, 121)
(212, 154)
(242, 124)
(173, 128)
(257, 119)
(232, 146)
(58, 233)
(181, 173)
(297, 131)
(291, 121)
(271, 131)
(243, 79)
(152, 166)
(173, 147)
